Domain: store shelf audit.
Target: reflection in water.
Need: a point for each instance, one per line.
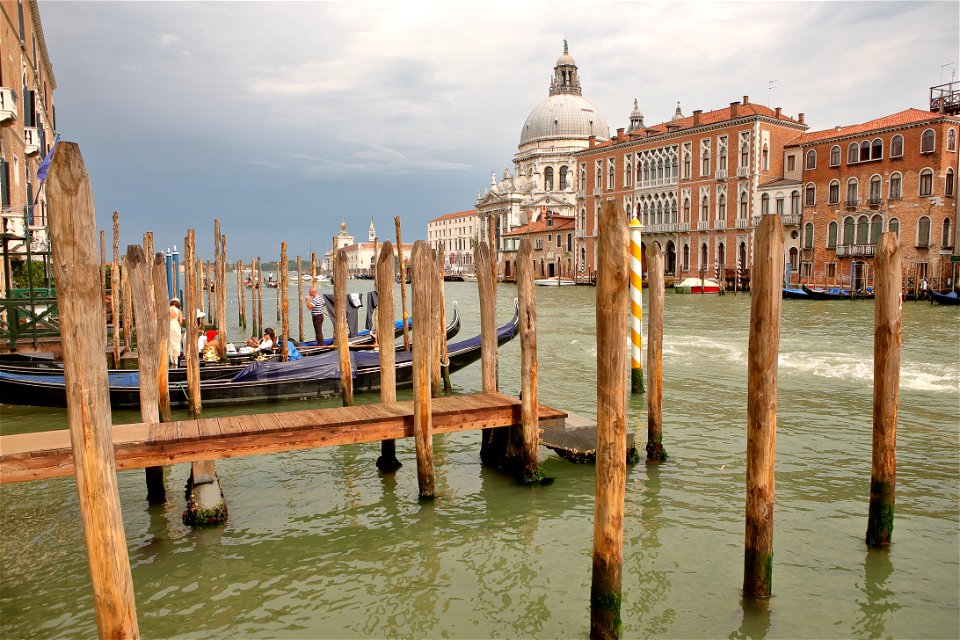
(756, 619)
(879, 602)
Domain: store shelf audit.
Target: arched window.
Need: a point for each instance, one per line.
(875, 183)
(795, 202)
(808, 235)
(948, 183)
(896, 186)
(705, 161)
(876, 228)
(675, 171)
(876, 150)
(765, 204)
(835, 155)
(926, 182)
(834, 192)
(952, 140)
(659, 213)
(832, 235)
(659, 168)
(765, 158)
(721, 207)
(780, 204)
(686, 210)
(946, 238)
(923, 232)
(743, 206)
(704, 209)
(673, 211)
(852, 197)
(563, 178)
(848, 230)
(863, 230)
(853, 153)
(611, 173)
(894, 226)
(810, 194)
(686, 257)
(811, 159)
(548, 179)
(927, 141)
(864, 151)
(896, 146)
(703, 256)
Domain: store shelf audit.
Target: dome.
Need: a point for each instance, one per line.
(564, 116)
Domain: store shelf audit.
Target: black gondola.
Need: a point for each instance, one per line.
(825, 294)
(317, 376)
(950, 298)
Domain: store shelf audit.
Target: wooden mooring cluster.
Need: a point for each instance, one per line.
(93, 450)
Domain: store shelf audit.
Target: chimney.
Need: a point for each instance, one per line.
(800, 118)
(778, 111)
(734, 110)
(696, 117)
(619, 133)
(746, 99)
(592, 141)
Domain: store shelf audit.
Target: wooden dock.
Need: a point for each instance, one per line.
(37, 456)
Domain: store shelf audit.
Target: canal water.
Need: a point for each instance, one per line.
(318, 544)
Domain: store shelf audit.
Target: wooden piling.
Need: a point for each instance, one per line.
(129, 340)
(191, 330)
(443, 359)
(241, 297)
(437, 336)
(259, 286)
(72, 233)
(300, 296)
(220, 290)
(888, 328)
(388, 374)
(403, 287)
(148, 254)
(612, 297)
(527, 468)
(762, 406)
(423, 344)
(116, 295)
(283, 295)
(493, 441)
(162, 311)
(655, 450)
(340, 338)
(253, 299)
(208, 290)
(313, 266)
(492, 244)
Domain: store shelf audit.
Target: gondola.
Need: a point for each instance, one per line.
(316, 376)
(825, 294)
(950, 299)
(795, 294)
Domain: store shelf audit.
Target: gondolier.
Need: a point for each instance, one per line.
(317, 308)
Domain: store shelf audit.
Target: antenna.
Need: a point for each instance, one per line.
(953, 73)
(771, 85)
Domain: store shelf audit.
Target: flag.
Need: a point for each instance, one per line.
(44, 168)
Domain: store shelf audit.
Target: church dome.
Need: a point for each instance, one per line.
(564, 116)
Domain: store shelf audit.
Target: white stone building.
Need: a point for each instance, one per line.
(458, 232)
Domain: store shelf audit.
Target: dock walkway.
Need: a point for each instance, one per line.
(48, 454)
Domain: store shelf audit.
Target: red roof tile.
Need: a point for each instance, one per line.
(458, 214)
(560, 223)
(901, 118)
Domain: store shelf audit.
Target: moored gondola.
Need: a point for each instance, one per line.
(950, 298)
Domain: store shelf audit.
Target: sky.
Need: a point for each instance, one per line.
(284, 119)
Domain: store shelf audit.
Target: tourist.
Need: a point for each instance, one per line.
(173, 339)
(266, 344)
(317, 308)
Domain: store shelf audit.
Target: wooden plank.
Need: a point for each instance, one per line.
(188, 430)
(291, 420)
(164, 432)
(209, 428)
(249, 424)
(230, 426)
(269, 422)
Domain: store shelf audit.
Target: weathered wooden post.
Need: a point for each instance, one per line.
(72, 225)
(208, 284)
(612, 282)
(221, 293)
(340, 338)
(313, 266)
(116, 295)
(888, 328)
(254, 284)
(494, 440)
(403, 287)
(655, 450)
(527, 469)
(300, 296)
(162, 310)
(636, 307)
(128, 323)
(388, 374)
(492, 244)
(284, 296)
(436, 279)
(148, 251)
(241, 297)
(259, 287)
(423, 344)
(762, 406)
(442, 358)
(191, 330)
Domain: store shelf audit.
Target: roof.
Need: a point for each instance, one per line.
(560, 223)
(899, 119)
(780, 182)
(458, 214)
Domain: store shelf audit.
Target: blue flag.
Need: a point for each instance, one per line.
(44, 168)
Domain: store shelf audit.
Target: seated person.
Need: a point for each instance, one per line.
(266, 344)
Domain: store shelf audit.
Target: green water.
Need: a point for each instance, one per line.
(319, 544)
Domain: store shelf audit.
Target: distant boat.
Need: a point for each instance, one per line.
(950, 299)
(469, 277)
(554, 282)
(795, 294)
(697, 285)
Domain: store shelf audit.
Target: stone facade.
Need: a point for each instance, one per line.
(552, 237)
(459, 233)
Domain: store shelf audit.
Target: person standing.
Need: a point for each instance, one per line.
(317, 308)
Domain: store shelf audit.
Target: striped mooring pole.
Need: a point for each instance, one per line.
(636, 307)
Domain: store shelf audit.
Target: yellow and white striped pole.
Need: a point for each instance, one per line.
(636, 308)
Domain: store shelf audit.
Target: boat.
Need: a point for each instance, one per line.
(825, 294)
(950, 298)
(317, 376)
(469, 277)
(697, 285)
(795, 294)
(554, 282)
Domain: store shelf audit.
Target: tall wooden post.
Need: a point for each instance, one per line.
(388, 374)
(191, 330)
(442, 358)
(72, 233)
(437, 336)
(300, 296)
(612, 282)
(655, 450)
(241, 297)
(116, 295)
(259, 287)
(762, 406)
(313, 266)
(340, 325)
(208, 284)
(221, 293)
(403, 287)
(529, 368)
(148, 252)
(636, 307)
(162, 311)
(128, 322)
(284, 296)
(492, 244)
(888, 327)
(254, 284)
(493, 441)
(423, 344)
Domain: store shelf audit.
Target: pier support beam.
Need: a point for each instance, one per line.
(340, 338)
(655, 450)
(636, 307)
(493, 445)
(387, 461)
(423, 346)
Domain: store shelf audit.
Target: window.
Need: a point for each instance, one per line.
(686, 210)
(627, 172)
(559, 241)
(722, 153)
(927, 141)
(835, 155)
(548, 179)
(926, 182)
(876, 149)
(863, 230)
(894, 226)
(765, 158)
(569, 242)
(946, 238)
(810, 195)
(780, 206)
(795, 203)
(765, 204)
(583, 175)
(834, 197)
(808, 235)
(705, 157)
(791, 162)
(864, 151)
(687, 152)
(853, 153)
(830, 270)
(721, 207)
(896, 146)
(705, 209)
(599, 175)
(549, 237)
(811, 159)
(611, 173)
(703, 256)
(876, 228)
(923, 232)
(744, 149)
(743, 205)
(875, 182)
(948, 183)
(832, 235)
(564, 173)
(848, 229)
(852, 196)
(896, 183)
(686, 257)
(952, 140)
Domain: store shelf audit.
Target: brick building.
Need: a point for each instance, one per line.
(553, 248)
(694, 182)
(27, 123)
(459, 233)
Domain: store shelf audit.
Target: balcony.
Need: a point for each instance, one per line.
(743, 223)
(596, 191)
(743, 172)
(721, 174)
(580, 234)
(31, 140)
(851, 204)
(8, 104)
(875, 203)
(853, 250)
(581, 194)
(656, 182)
(791, 219)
